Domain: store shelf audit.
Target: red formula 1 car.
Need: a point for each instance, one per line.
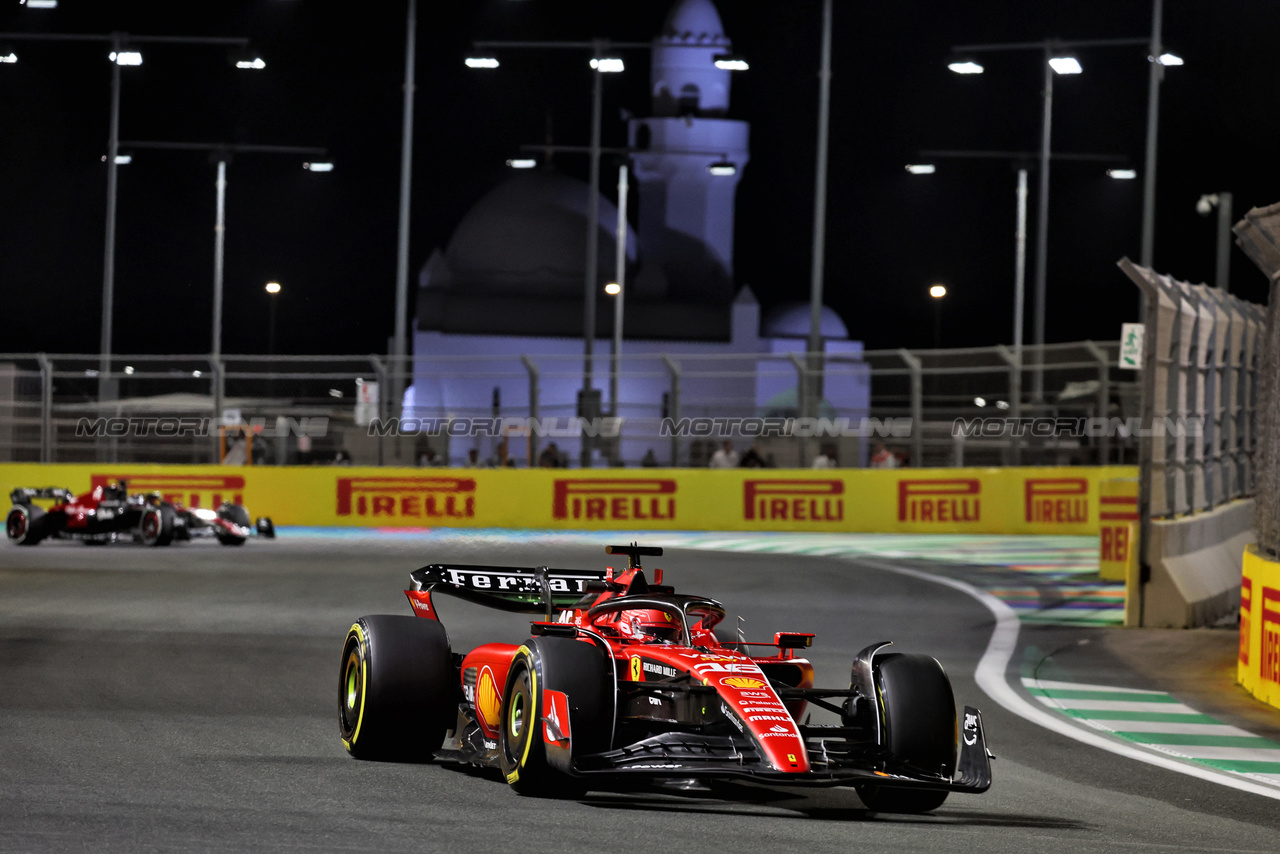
(109, 513)
(626, 679)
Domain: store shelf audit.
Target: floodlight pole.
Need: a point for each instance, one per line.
(620, 275)
(221, 153)
(219, 250)
(1047, 47)
(593, 224)
(1153, 130)
(1042, 230)
(813, 378)
(597, 47)
(116, 40)
(109, 250)
(399, 347)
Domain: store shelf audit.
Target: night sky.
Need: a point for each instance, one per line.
(333, 79)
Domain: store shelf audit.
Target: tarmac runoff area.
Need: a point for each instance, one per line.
(183, 699)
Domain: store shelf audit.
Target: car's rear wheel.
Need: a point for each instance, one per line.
(156, 526)
(397, 695)
(25, 525)
(579, 671)
(920, 730)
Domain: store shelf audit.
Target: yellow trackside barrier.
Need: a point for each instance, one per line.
(1118, 529)
(1258, 667)
(978, 501)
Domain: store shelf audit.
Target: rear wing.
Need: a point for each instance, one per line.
(25, 495)
(535, 590)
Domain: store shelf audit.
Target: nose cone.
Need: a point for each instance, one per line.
(749, 700)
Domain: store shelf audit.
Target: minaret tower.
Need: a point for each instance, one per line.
(686, 211)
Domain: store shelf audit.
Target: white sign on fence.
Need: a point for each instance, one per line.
(1131, 346)
(366, 402)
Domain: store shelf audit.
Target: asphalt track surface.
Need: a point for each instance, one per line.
(184, 699)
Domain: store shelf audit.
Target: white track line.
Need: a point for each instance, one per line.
(1051, 685)
(990, 676)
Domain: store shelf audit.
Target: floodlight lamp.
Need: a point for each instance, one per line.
(128, 369)
(921, 168)
(1123, 174)
(938, 291)
(40, 4)
(1002, 404)
(196, 374)
(124, 159)
(979, 401)
(722, 168)
(256, 63)
(613, 289)
(731, 62)
(1170, 59)
(481, 62)
(323, 166)
(273, 287)
(1205, 205)
(608, 64)
(125, 57)
(522, 163)
(1065, 65)
(7, 56)
(965, 66)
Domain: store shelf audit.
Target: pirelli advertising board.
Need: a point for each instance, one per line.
(1258, 664)
(979, 501)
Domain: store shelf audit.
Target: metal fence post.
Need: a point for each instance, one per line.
(218, 388)
(1104, 400)
(533, 408)
(802, 402)
(917, 406)
(1014, 359)
(380, 372)
(46, 408)
(673, 409)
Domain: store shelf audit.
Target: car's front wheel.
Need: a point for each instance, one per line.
(921, 734)
(561, 688)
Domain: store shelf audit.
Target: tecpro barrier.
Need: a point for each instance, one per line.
(1258, 669)
(977, 501)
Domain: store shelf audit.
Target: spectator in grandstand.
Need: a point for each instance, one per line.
(550, 457)
(753, 459)
(883, 458)
(826, 459)
(725, 457)
(649, 460)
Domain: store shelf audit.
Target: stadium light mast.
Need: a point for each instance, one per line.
(123, 51)
(1058, 59)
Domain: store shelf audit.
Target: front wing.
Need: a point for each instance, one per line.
(834, 760)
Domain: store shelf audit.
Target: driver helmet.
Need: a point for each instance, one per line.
(649, 625)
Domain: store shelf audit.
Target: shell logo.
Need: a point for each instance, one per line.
(741, 682)
(488, 701)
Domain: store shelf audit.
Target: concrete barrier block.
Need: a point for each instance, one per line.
(1196, 566)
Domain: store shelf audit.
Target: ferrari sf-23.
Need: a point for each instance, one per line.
(624, 678)
(108, 513)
